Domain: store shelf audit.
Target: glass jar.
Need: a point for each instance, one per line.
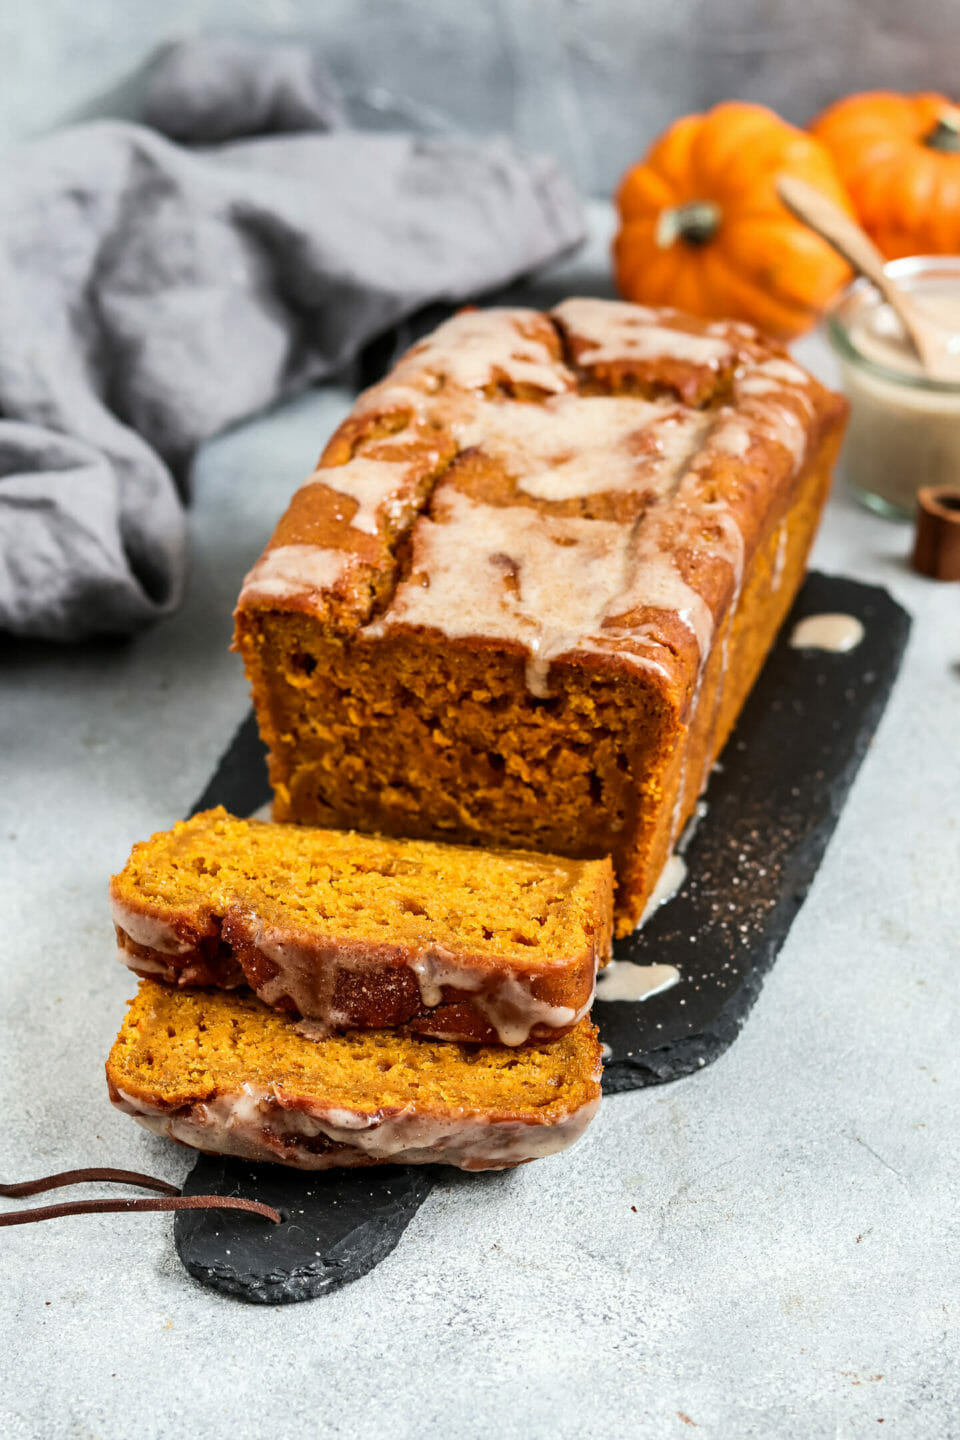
(904, 428)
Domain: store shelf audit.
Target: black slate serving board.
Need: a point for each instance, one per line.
(337, 1225)
(771, 807)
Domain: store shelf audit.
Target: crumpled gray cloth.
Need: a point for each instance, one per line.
(151, 294)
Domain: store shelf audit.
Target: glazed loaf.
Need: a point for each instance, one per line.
(220, 1072)
(348, 930)
(523, 597)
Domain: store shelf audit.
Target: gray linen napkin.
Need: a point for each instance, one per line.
(151, 294)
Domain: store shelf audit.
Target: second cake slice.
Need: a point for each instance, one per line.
(224, 1074)
(356, 931)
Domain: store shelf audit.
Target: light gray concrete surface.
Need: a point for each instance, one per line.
(769, 1248)
(590, 81)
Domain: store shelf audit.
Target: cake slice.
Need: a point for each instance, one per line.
(347, 930)
(221, 1072)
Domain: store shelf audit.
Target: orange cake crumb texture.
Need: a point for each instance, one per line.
(180, 1048)
(527, 590)
(525, 907)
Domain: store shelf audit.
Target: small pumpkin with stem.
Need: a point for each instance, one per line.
(900, 158)
(702, 227)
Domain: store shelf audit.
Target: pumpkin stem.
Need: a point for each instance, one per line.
(945, 135)
(696, 222)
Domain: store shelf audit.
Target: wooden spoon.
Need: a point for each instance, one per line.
(813, 208)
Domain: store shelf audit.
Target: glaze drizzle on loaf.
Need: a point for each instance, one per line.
(521, 389)
(611, 333)
(551, 585)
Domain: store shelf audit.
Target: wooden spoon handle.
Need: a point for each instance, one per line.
(814, 209)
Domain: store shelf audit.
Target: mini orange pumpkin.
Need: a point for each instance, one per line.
(702, 227)
(900, 158)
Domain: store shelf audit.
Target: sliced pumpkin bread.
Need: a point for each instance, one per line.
(223, 1073)
(349, 930)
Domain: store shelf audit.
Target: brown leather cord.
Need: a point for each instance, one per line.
(168, 1202)
(81, 1177)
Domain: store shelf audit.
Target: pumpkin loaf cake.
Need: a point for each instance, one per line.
(525, 594)
(350, 930)
(221, 1072)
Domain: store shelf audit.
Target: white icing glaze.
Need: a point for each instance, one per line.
(669, 882)
(730, 544)
(903, 432)
(780, 559)
(576, 445)
(588, 315)
(732, 435)
(307, 973)
(878, 334)
(620, 331)
(778, 422)
(656, 342)
(148, 930)
(467, 353)
(255, 1124)
(785, 370)
(505, 997)
(434, 967)
(551, 584)
(244, 1106)
(769, 397)
(700, 811)
(776, 377)
(312, 1029)
(733, 537)
(291, 570)
(513, 1011)
(501, 573)
(773, 402)
(471, 350)
(373, 484)
(732, 327)
(838, 633)
(146, 964)
(622, 980)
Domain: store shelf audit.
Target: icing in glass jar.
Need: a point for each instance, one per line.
(904, 429)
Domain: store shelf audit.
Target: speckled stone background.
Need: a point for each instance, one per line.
(770, 1248)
